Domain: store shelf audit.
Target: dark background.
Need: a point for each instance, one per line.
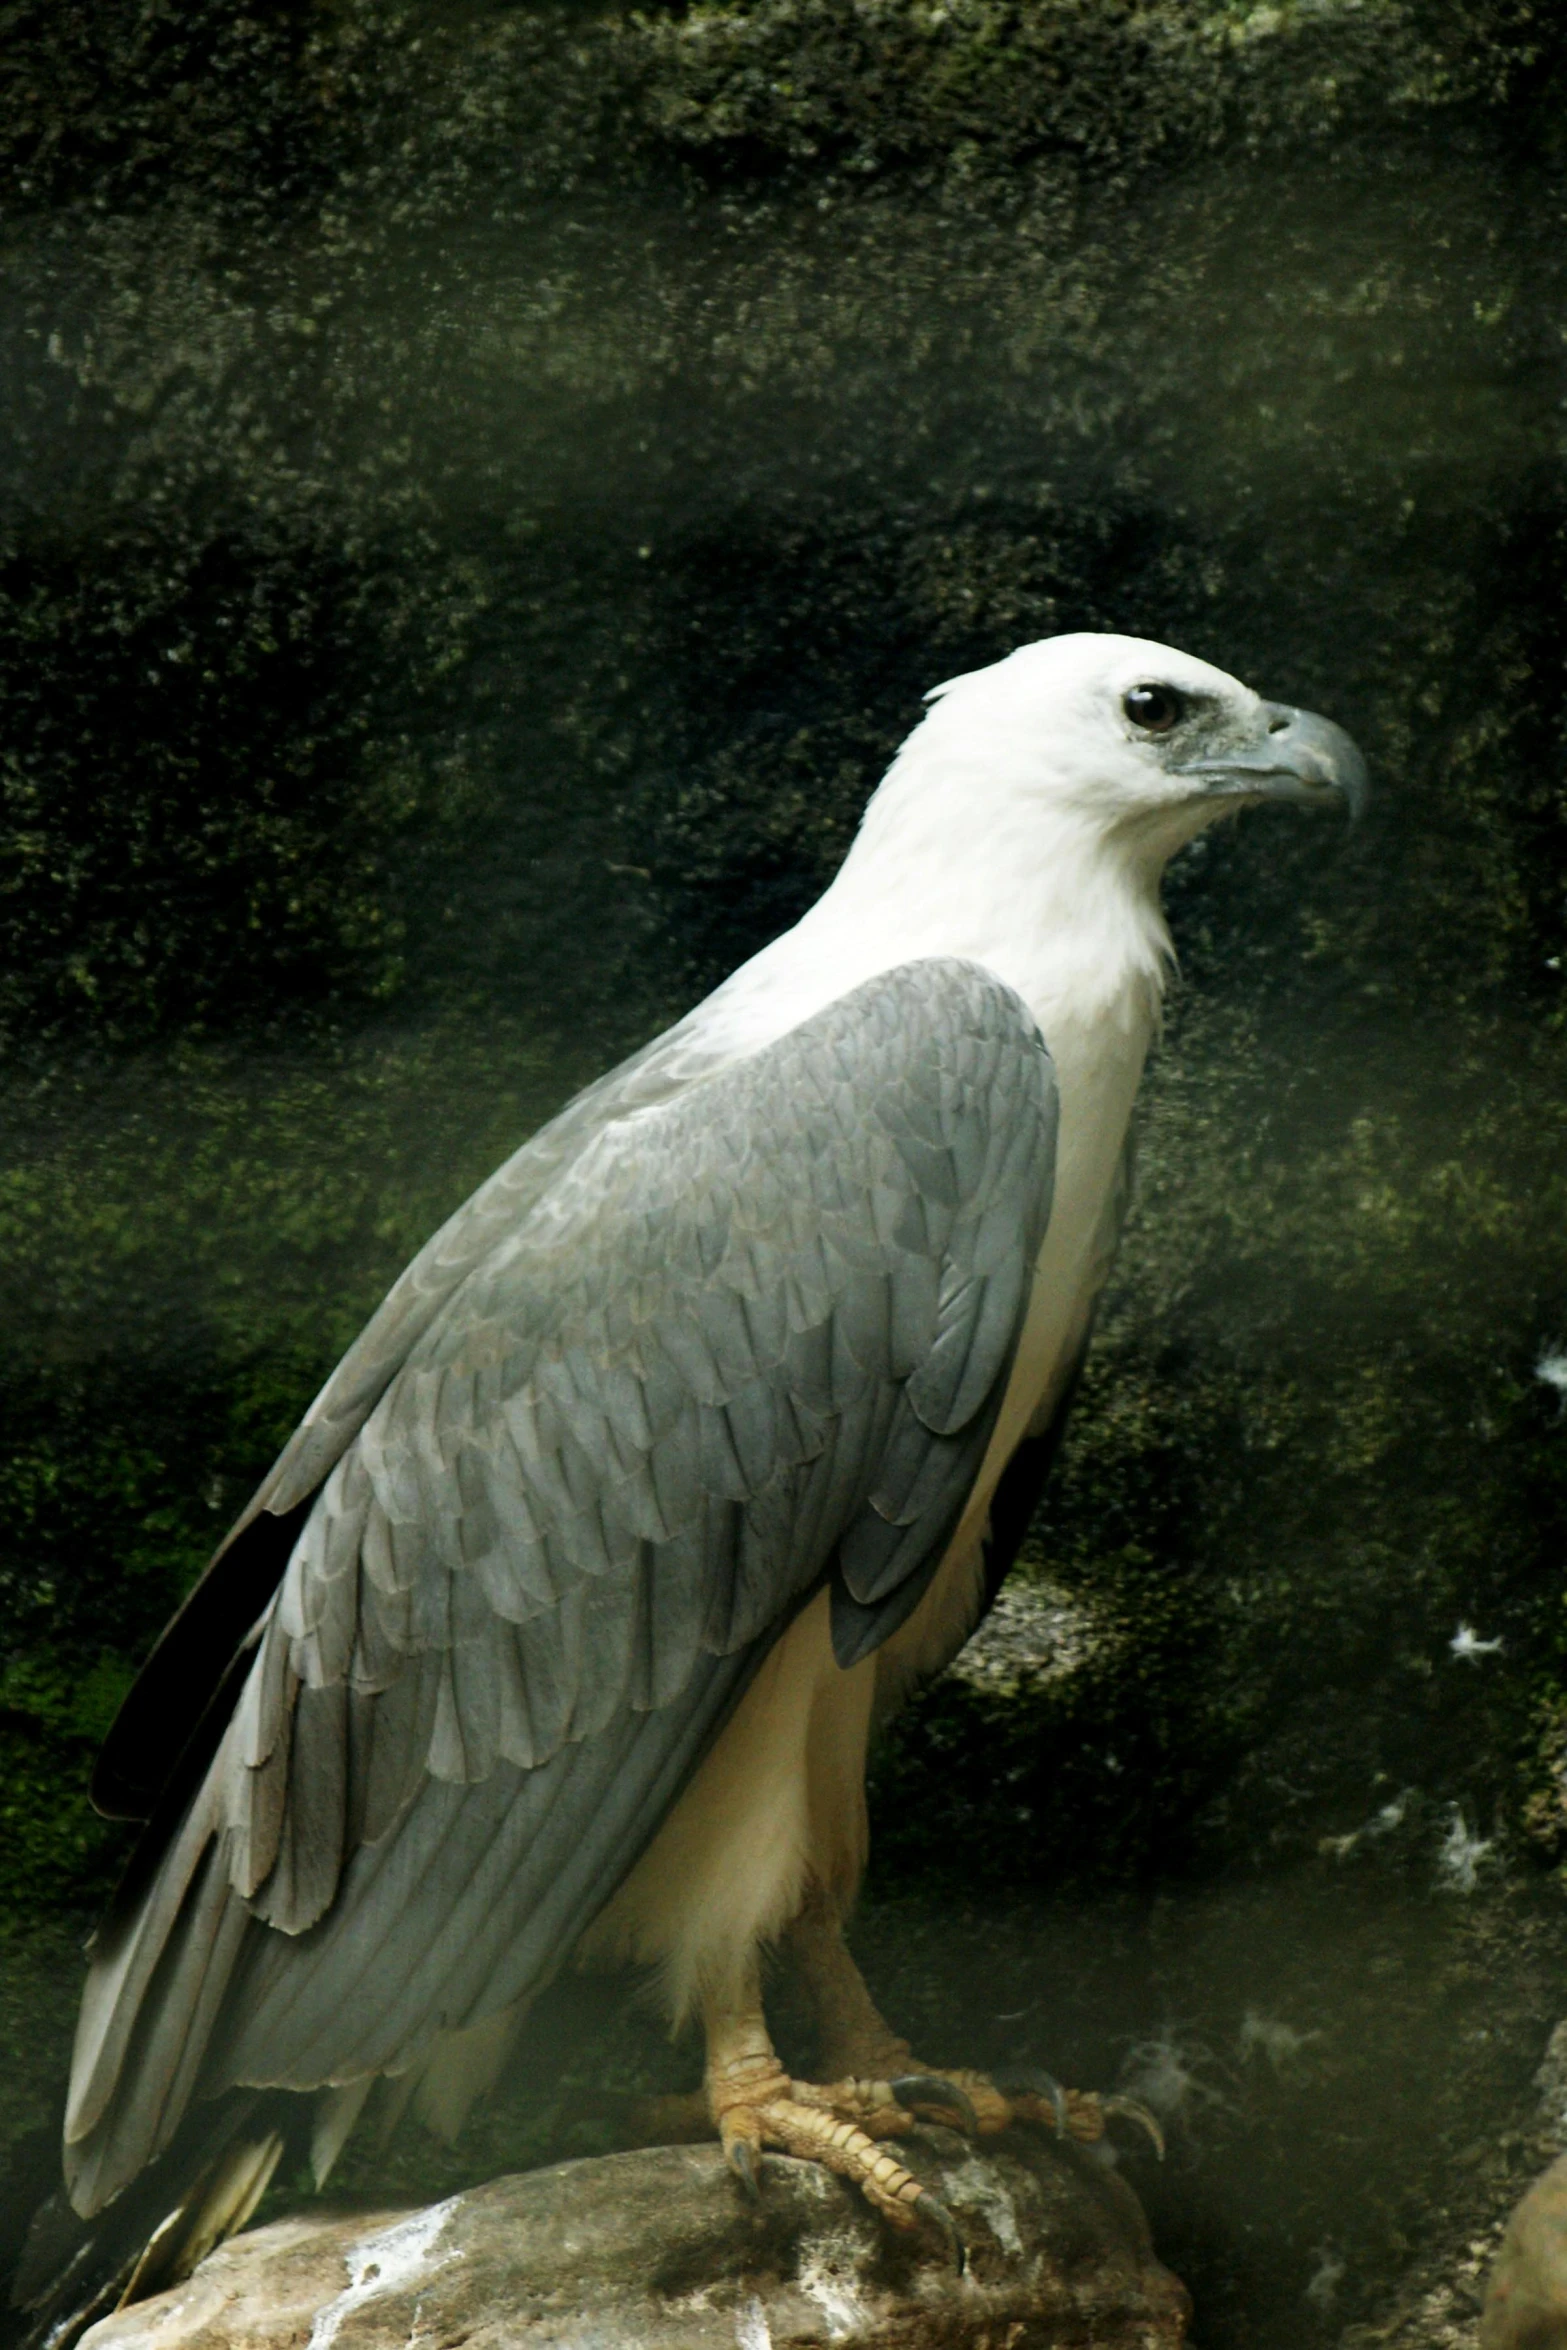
(482, 490)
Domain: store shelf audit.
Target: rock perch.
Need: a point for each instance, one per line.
(658, 2250)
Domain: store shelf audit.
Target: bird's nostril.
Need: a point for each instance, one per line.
(1279, 725)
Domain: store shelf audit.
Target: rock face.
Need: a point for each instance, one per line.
(657, 2250)
(1526, 2306)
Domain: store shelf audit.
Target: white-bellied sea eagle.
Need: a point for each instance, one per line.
(680, 1454)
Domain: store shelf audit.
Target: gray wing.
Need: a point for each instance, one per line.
(750, 1341)
(159, 1719)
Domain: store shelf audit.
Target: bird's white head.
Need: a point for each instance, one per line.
(1026, 822)
(1028, 818)
(1144, 745)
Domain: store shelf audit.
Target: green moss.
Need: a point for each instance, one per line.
(182, 1258)
(249, 857)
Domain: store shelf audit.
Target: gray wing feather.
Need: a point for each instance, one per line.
(484, 1222)
(157, 1721)
(750, 1340)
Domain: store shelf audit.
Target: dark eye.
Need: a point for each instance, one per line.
(1155, 708)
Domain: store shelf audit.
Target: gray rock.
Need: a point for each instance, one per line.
(658, 2250)
(1526, 2302)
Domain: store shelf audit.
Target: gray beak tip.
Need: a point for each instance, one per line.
(1316, 754)
(1347, 772)
(1303, 759)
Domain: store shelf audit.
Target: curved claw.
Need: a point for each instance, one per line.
(914, 2090)
(1034, 2082)
(742, 2161)
(931, 2208)
(1135, 2111)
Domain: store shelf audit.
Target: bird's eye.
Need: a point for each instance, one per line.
(1155, 708)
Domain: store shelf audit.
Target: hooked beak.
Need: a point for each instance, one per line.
(1302, 758)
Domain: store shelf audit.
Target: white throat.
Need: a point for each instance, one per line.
(953, 858)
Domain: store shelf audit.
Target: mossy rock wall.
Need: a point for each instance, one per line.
(482, 490)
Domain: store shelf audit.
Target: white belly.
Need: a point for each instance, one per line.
(779, 1802)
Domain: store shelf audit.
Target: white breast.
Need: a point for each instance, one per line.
(1098, 1075)
(1098, 1079)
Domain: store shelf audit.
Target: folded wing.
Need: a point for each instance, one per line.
(747, 1339)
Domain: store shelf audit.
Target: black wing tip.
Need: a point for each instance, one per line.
(73, 2271)
(190, 1673)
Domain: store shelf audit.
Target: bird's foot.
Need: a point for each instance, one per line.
(858, 2041)
(757, 2107)
(882, 2109)
(1034, 2097)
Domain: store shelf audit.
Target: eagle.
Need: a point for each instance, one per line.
(692, 1443)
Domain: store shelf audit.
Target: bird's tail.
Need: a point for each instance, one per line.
(210, 2178)
(74, 2271)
